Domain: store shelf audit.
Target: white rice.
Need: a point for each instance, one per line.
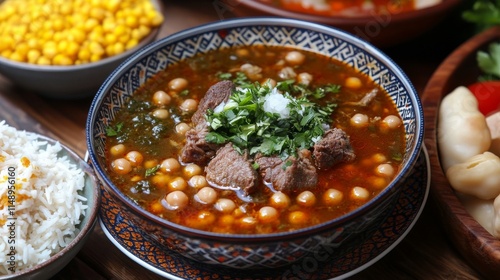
(46, 200)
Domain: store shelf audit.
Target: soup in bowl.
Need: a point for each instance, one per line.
(254, 142)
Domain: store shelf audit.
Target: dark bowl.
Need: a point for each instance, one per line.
(382, 30)
(265, 250)
(474, 242)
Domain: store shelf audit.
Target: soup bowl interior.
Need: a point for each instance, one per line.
(260, 250)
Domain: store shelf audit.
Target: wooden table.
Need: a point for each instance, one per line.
(426, 253)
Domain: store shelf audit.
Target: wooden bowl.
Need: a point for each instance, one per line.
(460, 68)
(380, 30)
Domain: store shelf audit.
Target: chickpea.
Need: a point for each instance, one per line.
(225, 205)
(118, 150)
(268, 214)
(353, 83)
(178, 184)
(135, 158)
(192, 169)
(378, 182)
(121, 166)
(242, 52)
(304, 78)
(189, 105)
(360, 193)
(270, 83)
(182, 128)
(206, 195)
(298, 218)
(160, 180)
(247, 222)
(359, 120)
(170, 165)
(156, 207)
(161, 98)
(280, 200)
(385, 170)
(295, 58)
(392, 121)
(201, 220)
(161, 113)
(198, 181)
(306, 198)
(176, 200)
(178, 84)
(379, 158)
(150, 163)
(332, 197)
(226, 220)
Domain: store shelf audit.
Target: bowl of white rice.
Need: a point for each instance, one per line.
(49, 201)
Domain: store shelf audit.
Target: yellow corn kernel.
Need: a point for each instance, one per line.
(43, 61)
(33, 56)
(61, 59)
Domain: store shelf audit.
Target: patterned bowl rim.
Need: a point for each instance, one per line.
(261, 22)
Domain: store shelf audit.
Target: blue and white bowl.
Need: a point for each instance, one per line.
(265, 250)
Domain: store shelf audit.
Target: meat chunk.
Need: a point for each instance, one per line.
(197, 149)
(332, 149)
(294, 173)
(231, 170)
(215, 95)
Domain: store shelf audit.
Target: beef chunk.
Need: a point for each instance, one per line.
(215, 95)
(231, 170)
(197, 149)
(332, 149)
(293, 173)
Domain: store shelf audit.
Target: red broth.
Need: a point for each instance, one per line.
(145, 140)
(344, 7)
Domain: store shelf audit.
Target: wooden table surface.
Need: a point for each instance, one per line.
(426, 252)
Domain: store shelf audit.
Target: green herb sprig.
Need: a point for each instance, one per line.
(244, 122)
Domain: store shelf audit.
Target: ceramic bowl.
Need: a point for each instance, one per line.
(58, 261)
(67, 82)
(382, 30)
(266, 250)
(475, 243)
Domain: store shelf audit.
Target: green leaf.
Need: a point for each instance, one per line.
(489, 62)
(114, 131)
(152, 170)
(484, 14)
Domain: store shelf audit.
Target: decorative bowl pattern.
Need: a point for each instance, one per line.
(267, 250)
(322, 265)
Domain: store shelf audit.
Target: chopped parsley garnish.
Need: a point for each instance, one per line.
(151, 171)
(113, 131)
(268, 120)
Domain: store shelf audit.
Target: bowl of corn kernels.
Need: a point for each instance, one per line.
(66, 49)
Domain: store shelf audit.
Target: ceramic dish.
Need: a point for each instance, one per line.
(54, 264)
(274, 249)
(124, 235)
(381, 30)
(477, 246)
